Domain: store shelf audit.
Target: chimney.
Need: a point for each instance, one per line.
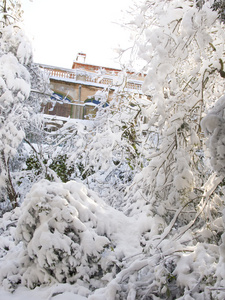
(81, 57)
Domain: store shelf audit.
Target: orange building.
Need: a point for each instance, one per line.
(75, 89)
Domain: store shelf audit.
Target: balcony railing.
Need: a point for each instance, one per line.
(80, 75)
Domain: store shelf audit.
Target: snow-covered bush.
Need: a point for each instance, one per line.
(62, 235)
(65, 233)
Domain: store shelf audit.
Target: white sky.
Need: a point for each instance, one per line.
(59, 29)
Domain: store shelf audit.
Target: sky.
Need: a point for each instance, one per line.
(59, 29)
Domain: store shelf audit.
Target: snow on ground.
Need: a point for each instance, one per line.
(40, 293)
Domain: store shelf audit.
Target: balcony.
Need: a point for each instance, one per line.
(87, 77)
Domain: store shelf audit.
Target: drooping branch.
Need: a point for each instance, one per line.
(208, 193)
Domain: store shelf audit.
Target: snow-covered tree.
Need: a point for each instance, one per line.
(182, 49)
(20, 81)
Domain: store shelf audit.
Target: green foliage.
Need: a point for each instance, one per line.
(32, 163)
(84, 172)
(58, 164)
(219, 6)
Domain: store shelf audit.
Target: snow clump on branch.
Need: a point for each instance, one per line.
(213, 125)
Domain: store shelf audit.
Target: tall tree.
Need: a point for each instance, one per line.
(182, 48)
(181, 199)
(20, 80)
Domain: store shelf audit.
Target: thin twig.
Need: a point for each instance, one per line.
(170, 226)
(207, 196)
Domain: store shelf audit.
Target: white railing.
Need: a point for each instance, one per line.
(87, 77)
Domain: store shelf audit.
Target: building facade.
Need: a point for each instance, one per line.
(75, 89)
